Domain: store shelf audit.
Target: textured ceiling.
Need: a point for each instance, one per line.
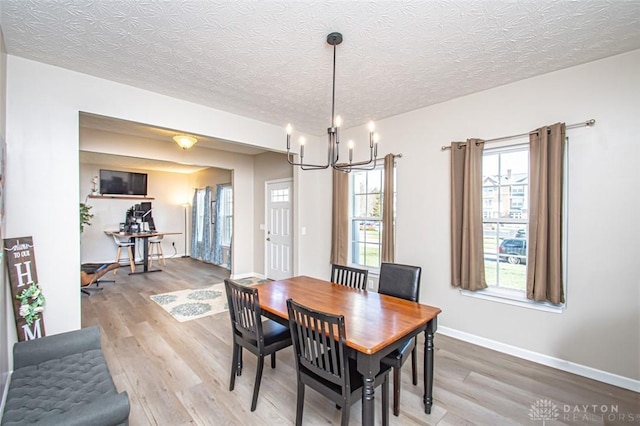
(269, 60)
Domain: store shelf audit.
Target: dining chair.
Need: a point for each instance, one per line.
(401, 281)
(250, 332)
(350, 277)
(122, 242)
(323, 362)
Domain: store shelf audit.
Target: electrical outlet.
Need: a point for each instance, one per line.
(370, 284)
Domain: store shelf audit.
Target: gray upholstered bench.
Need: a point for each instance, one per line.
(63, 380)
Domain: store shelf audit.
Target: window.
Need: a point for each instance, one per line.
(280, 195)
(365, 217)
(226, 214)
(505, 173)
(200, 207)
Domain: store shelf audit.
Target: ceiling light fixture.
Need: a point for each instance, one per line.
(185, 142)
(333, 155)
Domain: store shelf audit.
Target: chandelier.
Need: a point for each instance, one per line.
(333, 155)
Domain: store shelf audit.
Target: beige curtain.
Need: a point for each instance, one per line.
(467, 252)
(388, 228)
(544, 255)
(340, 218)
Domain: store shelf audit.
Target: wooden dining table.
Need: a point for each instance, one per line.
(375, 325)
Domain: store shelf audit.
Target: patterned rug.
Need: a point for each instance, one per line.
(185, 305)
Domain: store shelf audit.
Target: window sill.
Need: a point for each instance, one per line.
(373, 272)
(515, 298)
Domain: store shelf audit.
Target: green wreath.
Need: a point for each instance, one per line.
(31, 303)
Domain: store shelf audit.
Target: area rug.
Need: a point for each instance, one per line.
(185, 305)
(252, 280)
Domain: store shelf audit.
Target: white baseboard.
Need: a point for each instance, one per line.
(560, 364)
(247, 275)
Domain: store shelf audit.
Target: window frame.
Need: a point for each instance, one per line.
(517, 297)
(499, 222)
(374, 270)
(226, 216)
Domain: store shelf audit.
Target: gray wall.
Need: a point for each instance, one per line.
(266, 167)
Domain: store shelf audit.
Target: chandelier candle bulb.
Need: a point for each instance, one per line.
(350, 151)
(302, 141)
(289, 129)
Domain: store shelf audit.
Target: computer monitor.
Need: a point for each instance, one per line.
(147, 217)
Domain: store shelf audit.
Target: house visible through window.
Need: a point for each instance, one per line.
(226, 214)
(505, 180)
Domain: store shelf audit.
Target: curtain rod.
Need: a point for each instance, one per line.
(587, 123)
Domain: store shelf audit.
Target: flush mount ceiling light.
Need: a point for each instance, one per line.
(333, 156)
(184, 141)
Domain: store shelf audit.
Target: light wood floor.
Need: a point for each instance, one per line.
(178, 373)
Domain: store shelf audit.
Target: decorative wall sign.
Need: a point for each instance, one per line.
(28, 301)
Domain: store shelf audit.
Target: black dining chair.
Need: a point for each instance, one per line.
(259, 337)
(350, 277)
(401, 281)
(323, 362)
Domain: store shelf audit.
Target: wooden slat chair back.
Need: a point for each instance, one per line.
(350, 277)
(322, 361)
(259, 337)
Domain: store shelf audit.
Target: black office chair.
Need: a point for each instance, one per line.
(401, 281)
(261, 338)
(323, 363)
(350, 277)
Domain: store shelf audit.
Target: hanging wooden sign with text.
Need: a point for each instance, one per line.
(26, 294)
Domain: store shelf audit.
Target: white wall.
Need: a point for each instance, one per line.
(600, 328)
(6, 310)
(165, 188)
(43, 105)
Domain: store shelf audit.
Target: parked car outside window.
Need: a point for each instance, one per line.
(513, 250)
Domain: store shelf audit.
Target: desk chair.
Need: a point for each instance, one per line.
(262, 338)
(91, 273)
(350, 277)
(401, 281)
(323, 362)
(122, 242)
(157, 243)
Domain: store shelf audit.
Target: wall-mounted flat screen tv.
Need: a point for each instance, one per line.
(113, 182)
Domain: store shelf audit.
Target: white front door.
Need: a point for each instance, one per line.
(279, 241)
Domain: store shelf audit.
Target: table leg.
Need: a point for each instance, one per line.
(368, 366)
(145, 251)
(428, 364)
